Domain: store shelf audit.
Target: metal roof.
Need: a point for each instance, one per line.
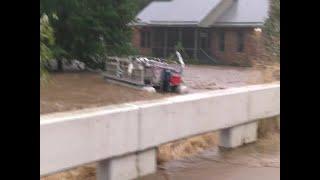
(176, 11)
(245, 12)
(193, 12)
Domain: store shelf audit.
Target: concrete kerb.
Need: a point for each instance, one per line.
(159, 123)
(117, 168)
(183, 116)
(88, 135)
(129, 166)
(264, 101)
(238, 135)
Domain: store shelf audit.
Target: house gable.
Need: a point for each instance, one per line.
(204, 13)
(176, 12)
(216, 12)
(245, 13)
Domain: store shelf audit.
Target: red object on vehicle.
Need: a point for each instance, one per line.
(175, 80)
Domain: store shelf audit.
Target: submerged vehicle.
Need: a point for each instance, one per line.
(139, 71)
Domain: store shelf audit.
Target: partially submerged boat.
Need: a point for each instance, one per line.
(146, 72)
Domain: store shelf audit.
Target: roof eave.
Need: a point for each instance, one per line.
(196, 24)
(168, 23)
(238, 24)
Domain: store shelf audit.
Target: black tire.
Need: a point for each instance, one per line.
(175, 89)
(165, 81)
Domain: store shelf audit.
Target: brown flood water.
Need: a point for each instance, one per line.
(257, 161)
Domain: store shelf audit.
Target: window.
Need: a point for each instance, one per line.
(188, 38)
(204, 40)
(173, 37)
(145, 39)
(240, 43)
(221, 41)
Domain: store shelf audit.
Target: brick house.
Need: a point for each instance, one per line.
(210, 31)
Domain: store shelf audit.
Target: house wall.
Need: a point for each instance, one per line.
(230, 55)
(136, 37)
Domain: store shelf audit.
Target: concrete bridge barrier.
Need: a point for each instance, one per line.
(123, 138)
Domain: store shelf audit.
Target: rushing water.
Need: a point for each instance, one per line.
(257, 161)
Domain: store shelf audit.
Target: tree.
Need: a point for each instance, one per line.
(46, 40)
(272, 29)
(87, 30)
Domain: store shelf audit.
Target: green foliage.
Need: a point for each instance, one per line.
(88, 30)
(272, 29)
(46, 40)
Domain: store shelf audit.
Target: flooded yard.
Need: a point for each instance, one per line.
(202, 77)
(71, 91)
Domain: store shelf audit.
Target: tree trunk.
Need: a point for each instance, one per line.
(60, 65)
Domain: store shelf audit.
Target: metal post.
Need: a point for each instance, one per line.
(151, 39)
(165, 42)
(195, 43)
(180, 34)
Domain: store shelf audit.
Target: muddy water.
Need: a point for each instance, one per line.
(258, 161)
(201, 78)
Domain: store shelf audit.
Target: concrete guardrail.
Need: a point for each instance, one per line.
(123, 138)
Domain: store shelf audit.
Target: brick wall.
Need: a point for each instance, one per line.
(230, 55)
(136, 37)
